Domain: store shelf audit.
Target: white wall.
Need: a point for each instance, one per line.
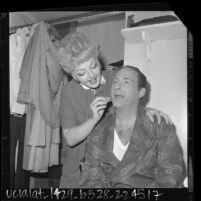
(167, 75)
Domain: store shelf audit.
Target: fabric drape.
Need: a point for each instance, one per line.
(40, 89)
(18, 178)
(18, 42)
(17, 45)
(41, 75)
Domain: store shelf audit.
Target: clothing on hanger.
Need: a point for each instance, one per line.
(41, 77)
(19, 178)
(18, 42)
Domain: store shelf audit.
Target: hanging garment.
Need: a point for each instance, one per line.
(41, 75)
(39, 155)
(39, 158)
(18, 178)
(17, 46)
(40, 89)
(18, 42)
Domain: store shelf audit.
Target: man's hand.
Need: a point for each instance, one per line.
(98, 107)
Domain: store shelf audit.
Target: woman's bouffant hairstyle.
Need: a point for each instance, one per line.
(76, 48)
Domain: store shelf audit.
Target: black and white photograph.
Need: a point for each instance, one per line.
(98, 100)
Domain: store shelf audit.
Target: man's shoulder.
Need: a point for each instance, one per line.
(154, 127)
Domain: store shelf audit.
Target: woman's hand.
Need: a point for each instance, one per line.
(98, 107)
(151, 112)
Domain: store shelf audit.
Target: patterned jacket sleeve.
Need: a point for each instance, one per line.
(170, 171)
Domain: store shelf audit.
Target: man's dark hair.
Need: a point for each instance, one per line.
(142, 80)
(142, 83)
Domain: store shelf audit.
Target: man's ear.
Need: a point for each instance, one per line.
(142, 92)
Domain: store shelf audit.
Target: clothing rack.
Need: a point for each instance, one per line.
(81, 17)
(15, 28)
(84, 17)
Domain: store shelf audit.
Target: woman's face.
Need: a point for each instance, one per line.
(88, 73)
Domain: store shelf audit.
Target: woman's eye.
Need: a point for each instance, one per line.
(81, 74)
(94, 66)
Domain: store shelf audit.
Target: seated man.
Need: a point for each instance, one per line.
(126, 149)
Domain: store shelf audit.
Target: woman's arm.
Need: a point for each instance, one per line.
(78, 133)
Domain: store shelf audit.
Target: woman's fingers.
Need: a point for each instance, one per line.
(99, 107)
(151, 112)
(150, 116)
(167, 119)
(158, 117)
(98, 104)
(100, 101)
(98, 110)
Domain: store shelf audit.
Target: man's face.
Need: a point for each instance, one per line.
(88, 73)
(125, 92)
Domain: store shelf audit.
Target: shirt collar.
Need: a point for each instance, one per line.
(103, 81)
